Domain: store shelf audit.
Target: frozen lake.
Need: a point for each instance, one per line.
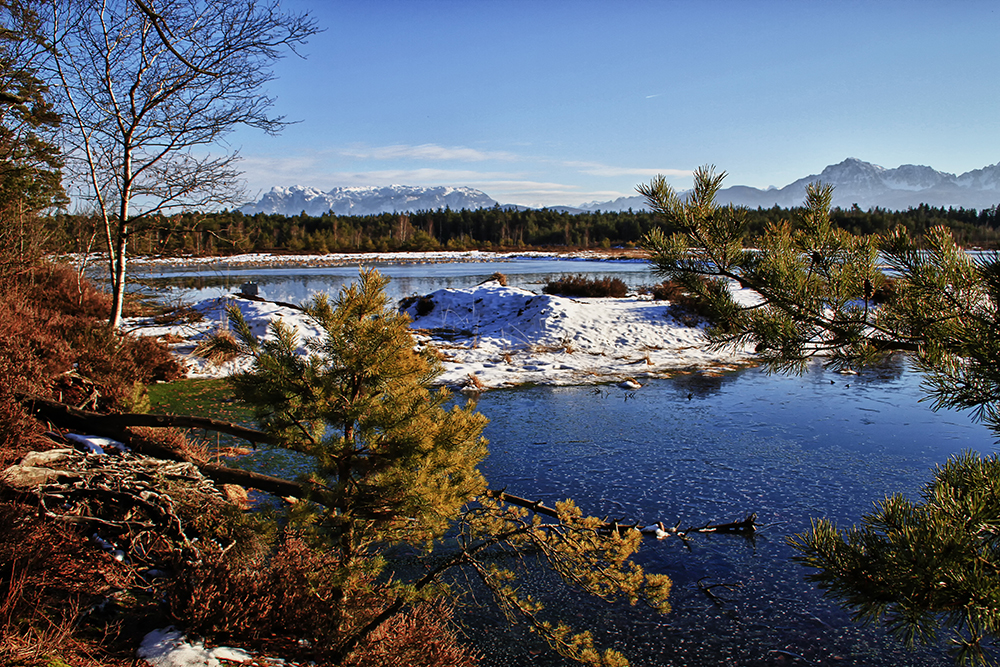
(698, 449)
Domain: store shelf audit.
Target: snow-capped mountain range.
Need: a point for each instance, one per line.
(854, 181)
(367, 200)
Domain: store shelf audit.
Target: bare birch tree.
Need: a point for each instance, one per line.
(149, 89)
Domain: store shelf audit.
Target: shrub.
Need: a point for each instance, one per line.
(425, 304)
(668, 290)
(249, 594)
(48, 575)
(582, 286)
(685, 307)
(499, 277)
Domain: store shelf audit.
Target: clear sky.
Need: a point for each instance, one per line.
(547, 102)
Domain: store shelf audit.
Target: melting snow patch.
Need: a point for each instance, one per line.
(168, 647)
(93, 444)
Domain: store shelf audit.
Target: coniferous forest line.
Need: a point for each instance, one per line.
(230, 232)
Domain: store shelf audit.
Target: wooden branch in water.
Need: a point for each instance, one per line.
(747, 526)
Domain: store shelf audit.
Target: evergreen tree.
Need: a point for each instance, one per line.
(392, 465)
(823, 291)
(30, 162)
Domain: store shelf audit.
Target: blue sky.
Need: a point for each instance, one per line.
(555, 102)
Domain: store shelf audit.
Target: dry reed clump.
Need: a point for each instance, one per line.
(425, 304)
(668, 290)
(219, 348)
(582, 286)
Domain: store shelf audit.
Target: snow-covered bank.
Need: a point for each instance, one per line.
(493, 336)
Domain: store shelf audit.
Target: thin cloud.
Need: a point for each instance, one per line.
(425, 176)
(598, 169)
(425, 152)
(511, 187)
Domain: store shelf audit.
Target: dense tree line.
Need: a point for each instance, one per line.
(228, 232)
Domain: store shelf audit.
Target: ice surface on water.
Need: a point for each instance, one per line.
(699, 449)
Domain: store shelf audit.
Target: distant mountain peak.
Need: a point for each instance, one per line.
(866, 184)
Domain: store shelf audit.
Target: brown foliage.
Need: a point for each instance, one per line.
(683, 306)
(420, 638)
(668, 290)
(49, 574)
(55, 342)
(499, 277)
(582, 286)
(253, 595)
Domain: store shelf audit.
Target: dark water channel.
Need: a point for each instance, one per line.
(696, 449)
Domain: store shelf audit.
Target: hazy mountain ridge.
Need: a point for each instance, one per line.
(855, 182)
(865, 184)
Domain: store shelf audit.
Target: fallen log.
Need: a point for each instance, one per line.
(110, 425)
(116, 426)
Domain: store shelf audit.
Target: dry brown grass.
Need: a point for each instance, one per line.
(476, 383)
(218, 348)
(254, 596)
(49, 575)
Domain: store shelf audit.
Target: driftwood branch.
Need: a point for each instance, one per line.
(746, 526)
(116, 426)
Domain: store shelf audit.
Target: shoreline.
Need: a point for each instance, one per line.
(275, 260)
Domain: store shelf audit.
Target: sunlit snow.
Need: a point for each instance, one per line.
(492, 336)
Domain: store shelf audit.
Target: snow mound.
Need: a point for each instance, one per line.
(492, 336)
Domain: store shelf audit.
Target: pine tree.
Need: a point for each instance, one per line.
(30, 161)
(393, 465)
(823, 292)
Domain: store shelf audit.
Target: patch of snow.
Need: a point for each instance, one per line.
(168, 647)
(93, 444)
